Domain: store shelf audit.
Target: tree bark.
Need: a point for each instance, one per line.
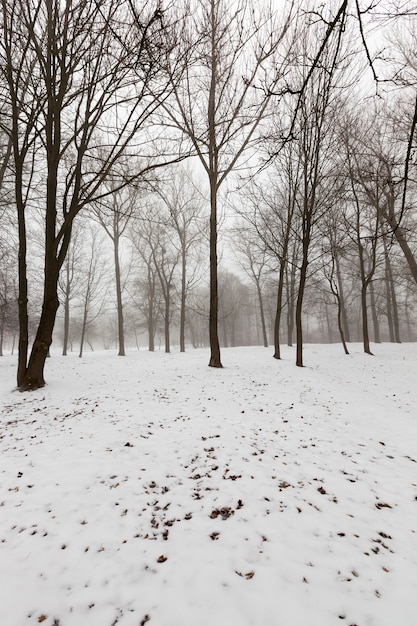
(341, 301)
(365, 328)
(290, 286)
(301, 288)
(399, 235)
(277, 323)
(377, 336)
(215, 360)
(262, 314)
(183, 297)
(120, 324)
(66, 311)
(34, 375)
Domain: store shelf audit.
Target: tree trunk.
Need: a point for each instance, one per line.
(340, 323)
(301, 289)
(262, 314)
(393, 320)
(166, 324)
(66, 313)
(277, 323)
(377, 337)
(83, 329)
(120, 324)
(23, 341)
(34, 375)
(183, 297)
(151, 305)
(365, 329)
(399, 235)
(395, 312)
(215, 360)
(298, 315)
(290, 286)
(3, 315)
(341, 300)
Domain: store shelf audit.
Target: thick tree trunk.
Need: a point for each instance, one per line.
(392, 306)
(298, 315)
(399, 235)
(301, 289)
(34, 375)
(23, 341)
(277, 323)
(365, 329)
(215, 360)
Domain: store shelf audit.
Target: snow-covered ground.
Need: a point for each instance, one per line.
(154, 489)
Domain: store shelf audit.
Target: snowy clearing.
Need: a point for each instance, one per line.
(153, 489)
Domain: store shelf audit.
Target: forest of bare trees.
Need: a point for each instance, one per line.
(205, 174)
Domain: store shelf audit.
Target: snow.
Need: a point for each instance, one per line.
(154, 489)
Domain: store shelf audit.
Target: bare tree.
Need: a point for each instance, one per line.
(151, 239)
(78, 80)
(317, 150)
(254, 260)
(93, 285)
(114, 213)
(364, 222)
(70, 278)
(183, 200)
(216, 107)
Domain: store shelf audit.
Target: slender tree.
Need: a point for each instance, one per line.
(216, 107)
(182, 201)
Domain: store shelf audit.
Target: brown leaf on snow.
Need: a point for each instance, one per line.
(162, 558)
(384, 535)
(382, 505)
(42, 618)
(248, 575)
(224, 512)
